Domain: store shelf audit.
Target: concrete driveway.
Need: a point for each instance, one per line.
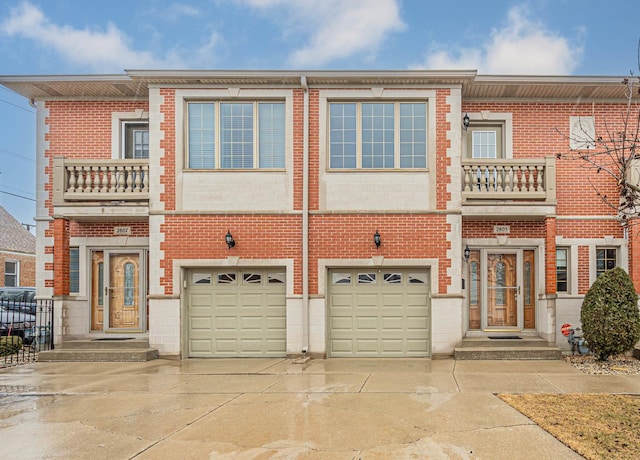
(273, 408)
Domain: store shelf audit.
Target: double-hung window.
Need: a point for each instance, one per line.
(136, 140)
(377, 135)
(11, 273)
(236, 135)
(562, 270)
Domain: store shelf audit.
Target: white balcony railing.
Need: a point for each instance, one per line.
(531, 179)
(100, 180)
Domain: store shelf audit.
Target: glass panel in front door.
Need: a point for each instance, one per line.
(502, 305)
(124, 291)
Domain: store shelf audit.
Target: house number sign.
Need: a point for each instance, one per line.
(122, 231)
(501, 229)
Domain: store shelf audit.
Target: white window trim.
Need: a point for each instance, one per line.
(184, 96)
(118, 120)
(506, 119)
(570, 270)
(376, 95)
(593, 258)
(359, 136)
(16, 273)
(218, 133)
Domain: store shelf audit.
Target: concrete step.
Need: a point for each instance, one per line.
(98, 355)
(107, 343)
(524, 348)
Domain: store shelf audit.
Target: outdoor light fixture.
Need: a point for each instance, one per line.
(467, 253)
(465, 121)
(376, 239)
(229, 240)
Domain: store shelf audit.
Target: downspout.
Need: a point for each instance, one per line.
(305, 219)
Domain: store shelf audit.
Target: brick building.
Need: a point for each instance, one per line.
(17, 253)
(342, 214)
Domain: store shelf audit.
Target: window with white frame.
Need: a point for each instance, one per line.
(236, 135)
(11, 273)
(562, 269)
(484, 140)
(135, 140)
(377, 135)
(74, 270)
(606, 259)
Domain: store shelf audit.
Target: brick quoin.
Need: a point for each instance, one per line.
(61, 257)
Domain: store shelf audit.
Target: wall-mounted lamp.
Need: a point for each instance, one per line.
(376, 239)
(465, 121)
(467, 253)
(229, 240)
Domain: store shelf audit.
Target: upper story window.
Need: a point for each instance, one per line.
(236, 135)
(135, 139)
(11, 273)
(484, 140)
(377, 135)
(606, 259)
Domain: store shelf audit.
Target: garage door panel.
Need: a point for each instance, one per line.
(201, 323)
(385, 316)
(342, 323)
(367, 323)
(243, 318)
(389, 323)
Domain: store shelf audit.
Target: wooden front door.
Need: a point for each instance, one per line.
(502, 290)
(124, 291)
(115, 291)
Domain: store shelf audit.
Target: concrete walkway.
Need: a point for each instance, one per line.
(272, 408)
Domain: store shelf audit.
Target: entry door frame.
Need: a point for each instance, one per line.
(484, 255)
(142, 291)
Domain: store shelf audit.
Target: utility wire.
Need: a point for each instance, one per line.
(19, 196)
(17, 106)
(16, 154)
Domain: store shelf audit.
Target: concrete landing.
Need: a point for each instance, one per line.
(121, 349)
(525, 348)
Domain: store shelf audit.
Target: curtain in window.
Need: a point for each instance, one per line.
(202, 136)
(271, 135)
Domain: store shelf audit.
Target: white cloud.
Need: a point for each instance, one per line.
(337, 29)
(105, 50)
(522, 46)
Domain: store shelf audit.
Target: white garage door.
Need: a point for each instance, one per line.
(236, 313)
(378, 313)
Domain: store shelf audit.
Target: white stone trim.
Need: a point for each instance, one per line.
(117, 119)
(505, 118)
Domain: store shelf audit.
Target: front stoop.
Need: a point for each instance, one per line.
(526, 348)
(101, 350)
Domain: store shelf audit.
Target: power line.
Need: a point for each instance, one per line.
(17, 106)
(16, 154)
(19, 196)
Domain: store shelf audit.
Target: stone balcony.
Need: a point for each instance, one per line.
(523, 187)
(109, 188)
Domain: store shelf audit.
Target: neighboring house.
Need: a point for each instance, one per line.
(338, 213)
(17, 253)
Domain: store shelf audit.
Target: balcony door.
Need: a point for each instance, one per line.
(501, 289)
(117, 291)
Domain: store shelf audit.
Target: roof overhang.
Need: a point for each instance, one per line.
(136, 83)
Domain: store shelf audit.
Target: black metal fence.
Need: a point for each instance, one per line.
(26, 328)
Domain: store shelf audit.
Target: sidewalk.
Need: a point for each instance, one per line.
(272, 408)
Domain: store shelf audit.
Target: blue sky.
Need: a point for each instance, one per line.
(38, 37)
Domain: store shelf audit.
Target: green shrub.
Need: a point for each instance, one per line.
(10, 345)
(610, 316)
